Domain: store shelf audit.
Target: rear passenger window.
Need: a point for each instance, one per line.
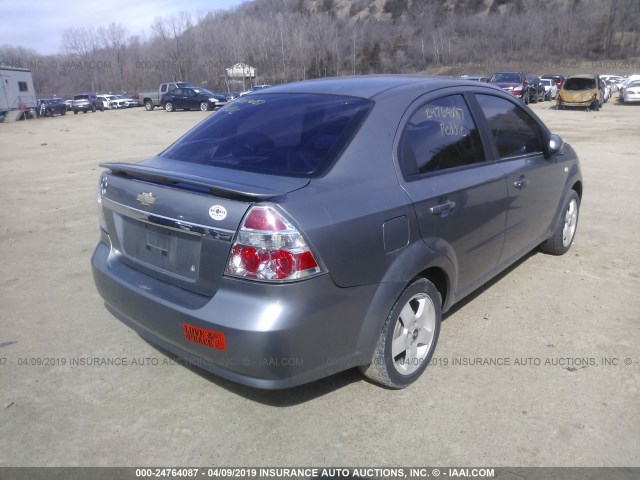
(515, 132)
(440, 135)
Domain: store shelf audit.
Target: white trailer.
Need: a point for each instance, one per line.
(16, 89)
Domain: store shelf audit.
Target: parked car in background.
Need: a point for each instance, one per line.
(582, 91)
(50, 107)
(192, 98)
(152, 99)
(255, 238)
(475, 78)
(69, 103)
(87, 102)
(128, 102)
(606, 90)
(613, 81)
(613, 86)
(106, 99)
(627, 81)
(118, 101)
(514, 83)
(536, 90)
(631, 92)
(550, 88)
(557, 79)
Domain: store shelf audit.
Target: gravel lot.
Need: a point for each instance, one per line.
(566, 330)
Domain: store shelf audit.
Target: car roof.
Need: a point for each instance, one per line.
(583, 75)
(368, 86)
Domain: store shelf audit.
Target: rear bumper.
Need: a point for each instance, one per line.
(583, 104)
(276, 336)
(576, 104)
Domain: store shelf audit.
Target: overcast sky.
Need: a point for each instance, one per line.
(39, 24)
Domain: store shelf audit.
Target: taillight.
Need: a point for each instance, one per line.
(268, 248)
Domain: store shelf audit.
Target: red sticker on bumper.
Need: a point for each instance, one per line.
(206, 338)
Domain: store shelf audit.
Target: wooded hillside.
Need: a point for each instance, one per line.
(288, 40)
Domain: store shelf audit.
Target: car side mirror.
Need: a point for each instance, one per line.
(554, 145)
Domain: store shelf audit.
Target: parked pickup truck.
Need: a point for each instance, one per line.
(151, 99)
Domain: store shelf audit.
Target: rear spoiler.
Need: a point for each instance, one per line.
(217, 186)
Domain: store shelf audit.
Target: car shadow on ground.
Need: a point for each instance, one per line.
(476, 293)
(275, 398)
(311, 391)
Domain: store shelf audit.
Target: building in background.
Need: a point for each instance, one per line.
(238, 75)
(16, 89)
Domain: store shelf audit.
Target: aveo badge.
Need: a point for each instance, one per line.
(218, 212)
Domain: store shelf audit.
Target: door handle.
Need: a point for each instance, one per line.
(443, 208)
(521, 183)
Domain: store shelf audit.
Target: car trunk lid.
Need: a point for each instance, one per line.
(179, 226)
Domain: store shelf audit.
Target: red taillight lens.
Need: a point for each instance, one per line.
(284, 264)
(269, 248)
(264, 219)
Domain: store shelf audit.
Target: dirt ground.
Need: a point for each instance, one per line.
(563, 334)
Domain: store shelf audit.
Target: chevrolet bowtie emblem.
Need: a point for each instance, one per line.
(147, 198)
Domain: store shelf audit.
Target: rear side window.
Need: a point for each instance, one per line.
(440, 135)
(514, 131)
(297, 135)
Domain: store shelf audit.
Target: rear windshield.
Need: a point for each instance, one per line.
(506, 78)
(580, 84)
(295, 135)
(81, 97)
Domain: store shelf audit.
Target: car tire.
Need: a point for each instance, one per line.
(526, 97)
(149, 105)
(93, 108)
(411, 333)
(168, 107)
(75, 112)
(204, 106)
(595, 106)
(63, 112)
(560, 242)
